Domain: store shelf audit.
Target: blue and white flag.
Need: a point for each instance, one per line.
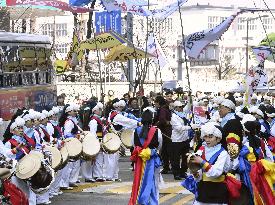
(154, 48)
(262, 52)
(168, 10)
(196, 42)
(132, 6)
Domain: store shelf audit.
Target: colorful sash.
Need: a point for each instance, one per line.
(146, 160)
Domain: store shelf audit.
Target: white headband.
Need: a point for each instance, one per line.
(210, 129)
(17, 123)
(72, 107)
(98, 106)
(247, 118)
(120, 103)
(228, 103)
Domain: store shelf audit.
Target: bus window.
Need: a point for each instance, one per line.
(28, 58)
(11, 60)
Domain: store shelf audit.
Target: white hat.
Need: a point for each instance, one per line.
(239, 99)
(120, 103)
(43, 116)
(177, 104)
(1, 121)
(211, 128)
(72, 106)
(36, 115)
(56, 110)
(98, 106)
(27, 117)
(151, 109)
(45, 112)
(51, 113)
(218, 100)
(247, 118)
(17, 123)
(228, 103)
(256, 110)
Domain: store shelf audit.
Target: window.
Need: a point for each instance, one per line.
(252, 25)
(61, 29)
(62, 48)
(268, 22)
(241, 23)
(47, 29)
(213, 21)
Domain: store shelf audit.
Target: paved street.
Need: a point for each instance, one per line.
(118, 193)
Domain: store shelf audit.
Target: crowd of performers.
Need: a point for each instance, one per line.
(225, 157)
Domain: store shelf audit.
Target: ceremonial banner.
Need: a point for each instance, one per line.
(60, 66)
(255, 78)
(168, 10)
(261, 52)
(133, 6)
(56, 4)
(124, 53)
(155, 49)
(102, 41)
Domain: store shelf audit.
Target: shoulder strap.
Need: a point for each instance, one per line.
(48, 137)
(263, 147)
(150, 136)
(214, 158)
(14, 142)
(113, 114)
(97, 119)
(202, 148)
(29, 140)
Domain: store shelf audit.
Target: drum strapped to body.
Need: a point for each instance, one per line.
(74, 148)
(126, 138)
(194, 167)
(91, 146)
(5, 167)
(36, 171)
(111, 143)
(56, 159)
(65, 157)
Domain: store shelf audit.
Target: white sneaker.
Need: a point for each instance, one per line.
(60, 192)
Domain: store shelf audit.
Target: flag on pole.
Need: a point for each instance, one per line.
(132, 6)
(73, 54)
(155, 49)
(196, 42)
(262, 52)
(256, 77)
(168, 10)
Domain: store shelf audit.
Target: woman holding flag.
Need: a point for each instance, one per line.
(147, 142)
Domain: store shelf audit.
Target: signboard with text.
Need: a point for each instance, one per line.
(106, 21)
(36, 97)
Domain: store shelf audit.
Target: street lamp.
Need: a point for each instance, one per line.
(247, 20)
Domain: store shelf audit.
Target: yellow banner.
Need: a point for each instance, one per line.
(60, 66)
(102, 41)
(124, 53)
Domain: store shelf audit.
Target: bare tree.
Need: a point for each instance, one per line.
(225, 69)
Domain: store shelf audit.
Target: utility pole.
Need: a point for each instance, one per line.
(179, 50)
(130, 63)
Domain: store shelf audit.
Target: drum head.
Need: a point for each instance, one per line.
(126, 138)
(91, 146)
(37, 153)
(28, 166)
(111, 142)
(56, 156)
(74, 147)
(4, 173)
(244, 197)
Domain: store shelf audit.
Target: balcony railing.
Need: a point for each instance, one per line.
(28, 78)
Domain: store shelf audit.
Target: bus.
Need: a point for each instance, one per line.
(26, 73)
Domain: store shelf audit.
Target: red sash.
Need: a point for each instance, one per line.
(30, 140)
(48, 137)
(138, 165)
(15, 144)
